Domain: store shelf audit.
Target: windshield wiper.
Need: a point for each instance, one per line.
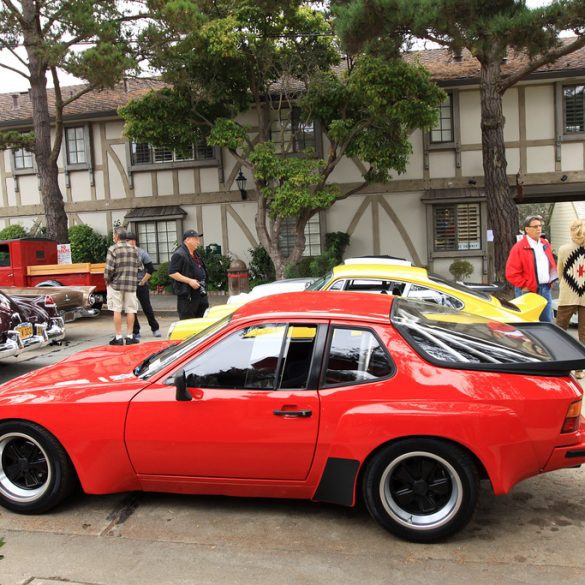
(144, 363)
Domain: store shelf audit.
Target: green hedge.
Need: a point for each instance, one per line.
(13, 232)
(87, 245)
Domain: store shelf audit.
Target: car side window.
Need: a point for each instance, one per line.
(337, 285)
(429, 295)
(376, 285)
(262, 357)
(356, 355)
(4, 255)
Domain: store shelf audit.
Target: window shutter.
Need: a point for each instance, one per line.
(445, 233)
(468, 227)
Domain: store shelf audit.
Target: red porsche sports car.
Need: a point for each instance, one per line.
(305, 395)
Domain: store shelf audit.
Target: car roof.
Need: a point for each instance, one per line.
(319, 304)
(380, 271)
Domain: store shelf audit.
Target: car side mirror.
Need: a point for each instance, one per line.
(182, 394)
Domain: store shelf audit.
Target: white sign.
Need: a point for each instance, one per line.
(490, 235)
(64, 253)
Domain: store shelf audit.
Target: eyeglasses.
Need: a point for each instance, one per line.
(535, 226)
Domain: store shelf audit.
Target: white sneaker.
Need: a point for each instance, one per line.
(156, 333)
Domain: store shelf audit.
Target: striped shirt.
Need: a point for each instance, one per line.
(122, 266)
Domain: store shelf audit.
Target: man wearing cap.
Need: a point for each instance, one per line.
(142, 290)
(189, 274)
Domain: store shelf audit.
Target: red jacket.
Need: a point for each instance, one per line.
(521, 264)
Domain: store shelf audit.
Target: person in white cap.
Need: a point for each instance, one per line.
(189, 274)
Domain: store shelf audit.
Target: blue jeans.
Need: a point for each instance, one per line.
(544, 290)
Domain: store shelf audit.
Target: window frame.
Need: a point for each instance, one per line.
(28, 170)
(325, 354)
(289, 235)
(457, 240)
(290, 148)
(314, 368)
(561, 112)
(455, 122)
(174, 162)
(156, 256)
(87, 164)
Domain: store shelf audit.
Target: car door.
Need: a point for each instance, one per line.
(254, 412)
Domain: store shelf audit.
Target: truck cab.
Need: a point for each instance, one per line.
(17, 255)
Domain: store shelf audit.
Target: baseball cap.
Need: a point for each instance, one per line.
(191, 234)
(131, 236)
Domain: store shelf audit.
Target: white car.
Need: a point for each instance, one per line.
(574, 319)
(272, 288)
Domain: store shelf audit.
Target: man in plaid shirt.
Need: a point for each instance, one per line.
(122, 264)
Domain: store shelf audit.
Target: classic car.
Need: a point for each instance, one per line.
(28, 323)
(317, 395)
(72, 302)
(398, 280)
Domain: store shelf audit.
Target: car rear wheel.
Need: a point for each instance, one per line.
(421, 490)
(35, 471)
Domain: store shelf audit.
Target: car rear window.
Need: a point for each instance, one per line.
(449, 337)
(459, 286)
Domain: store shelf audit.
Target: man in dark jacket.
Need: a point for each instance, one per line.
(142, 290)
(189, 274)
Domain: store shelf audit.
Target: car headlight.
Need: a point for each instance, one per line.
(171, 329)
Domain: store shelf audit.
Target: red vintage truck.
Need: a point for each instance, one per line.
(32, 262)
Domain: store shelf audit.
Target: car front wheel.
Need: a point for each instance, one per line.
(421, 489)
(35, 471)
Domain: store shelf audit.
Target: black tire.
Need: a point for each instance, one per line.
(420, 489)
(36, 473)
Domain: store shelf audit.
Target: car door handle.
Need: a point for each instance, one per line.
(294, 413)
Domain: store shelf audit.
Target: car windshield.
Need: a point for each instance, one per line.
(320, 282)
(445, 336)
(459, 286)
(160, 360)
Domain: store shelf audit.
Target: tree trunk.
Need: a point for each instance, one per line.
(270, 238)
(502, 211)
(48, 172)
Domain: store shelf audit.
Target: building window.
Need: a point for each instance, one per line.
(75, 145)
(443, 132)
(142, 153)
(23, 159)
(312, 236)
(457, 227)
(158, 238)
(574, 101)
(291, 132)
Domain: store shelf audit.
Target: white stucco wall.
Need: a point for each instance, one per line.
(469, 107)
(572, 156)
(540, 159)
(540, 121)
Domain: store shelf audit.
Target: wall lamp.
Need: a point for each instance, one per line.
(564, 178)
(241, 181)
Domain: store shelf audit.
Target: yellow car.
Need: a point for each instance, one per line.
(399, 280)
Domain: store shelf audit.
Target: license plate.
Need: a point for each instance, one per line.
(25, 330)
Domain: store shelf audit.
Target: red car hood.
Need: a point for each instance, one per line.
(86, 375)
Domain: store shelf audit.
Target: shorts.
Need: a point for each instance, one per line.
(119, 301)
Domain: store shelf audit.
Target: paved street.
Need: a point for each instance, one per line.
(532, 536)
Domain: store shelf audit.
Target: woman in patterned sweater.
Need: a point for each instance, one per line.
(571, 265)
